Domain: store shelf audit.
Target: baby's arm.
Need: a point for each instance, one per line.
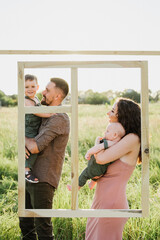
(97, 148)
(97, 141)
(30, 103)
(89, 152)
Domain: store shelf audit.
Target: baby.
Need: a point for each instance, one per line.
(94, 171)
(32, 122)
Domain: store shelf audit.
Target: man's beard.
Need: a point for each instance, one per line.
(43, 101)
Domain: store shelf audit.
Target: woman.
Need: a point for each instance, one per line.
(111, 188)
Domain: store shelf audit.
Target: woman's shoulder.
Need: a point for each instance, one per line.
(131, 142)
(132, 137)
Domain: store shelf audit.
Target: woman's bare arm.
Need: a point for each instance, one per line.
(118, 150)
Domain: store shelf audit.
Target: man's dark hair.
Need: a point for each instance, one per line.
(30, 78)
(62, 85)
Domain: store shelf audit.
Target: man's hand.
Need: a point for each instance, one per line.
(31, 145)
(27, 153)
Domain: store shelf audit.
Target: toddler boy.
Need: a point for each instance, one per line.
(32, 122)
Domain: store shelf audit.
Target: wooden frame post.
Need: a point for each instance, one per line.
(21, 139)
(145, 139)
(74, 138)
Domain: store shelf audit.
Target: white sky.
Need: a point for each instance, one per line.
(80, 25)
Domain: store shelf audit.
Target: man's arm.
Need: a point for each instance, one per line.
(31, 145)
(55, 126)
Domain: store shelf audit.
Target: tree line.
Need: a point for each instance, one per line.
(8, 100)
(88, 97)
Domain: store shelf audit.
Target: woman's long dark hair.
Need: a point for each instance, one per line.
(129, 115)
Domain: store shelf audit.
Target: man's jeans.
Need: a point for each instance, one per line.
(38, 196)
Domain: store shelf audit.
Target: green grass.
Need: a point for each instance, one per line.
(92, 122)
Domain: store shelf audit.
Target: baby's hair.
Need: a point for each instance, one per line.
(30, 78)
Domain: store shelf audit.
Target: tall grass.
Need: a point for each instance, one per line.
(92, 122)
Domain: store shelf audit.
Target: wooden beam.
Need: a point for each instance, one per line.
(67, 213)
(78, 52)
(83, 64)
(49, 109)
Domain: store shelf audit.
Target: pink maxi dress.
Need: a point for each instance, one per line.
(110, 194)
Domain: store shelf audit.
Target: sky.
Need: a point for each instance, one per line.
(80, 25)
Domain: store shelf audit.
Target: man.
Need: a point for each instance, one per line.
(50, 145)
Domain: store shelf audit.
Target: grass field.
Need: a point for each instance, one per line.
(92, 122)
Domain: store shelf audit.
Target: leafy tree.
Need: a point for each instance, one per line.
(1, 94)
(8, 101)
(132, 94)
(156, 96)
(96, 98)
